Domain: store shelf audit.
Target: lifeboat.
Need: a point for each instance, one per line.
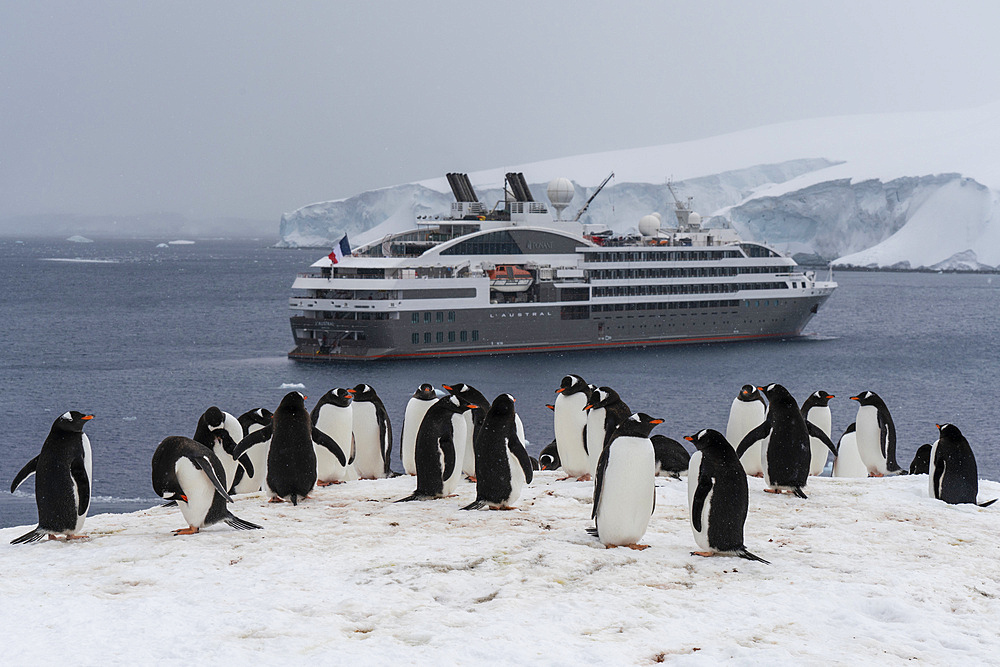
(509, 278)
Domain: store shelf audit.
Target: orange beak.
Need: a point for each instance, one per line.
(855, 398)
(87, 417)
(560, 390)
(473, 407)
(655, 421)
(447, 388)
(689, 438)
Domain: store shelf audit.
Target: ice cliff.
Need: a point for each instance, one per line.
(884, 191)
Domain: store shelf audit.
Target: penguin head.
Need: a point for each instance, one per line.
(572, 384)
(339, 397)
(503, 404)
(455, 404)
(293, 400)
(821, 398)
(362, 392)
(548, 459)
(458, 388)
(749, 393)
(214, 419)
(72, 421)
(867, 398)
(425, 392)
(776, 392)
(638, 424)
(707, 438)
(950, 432)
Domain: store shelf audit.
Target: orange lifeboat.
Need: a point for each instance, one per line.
(509, 278)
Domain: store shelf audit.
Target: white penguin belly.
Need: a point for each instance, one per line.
(626, 501)
(367, 442)
(414, 414)
(468, 461)
(595, 436)
(337, 423)
(744, 416)
(199, 490)
(848, 462)
(870, 439)
(569, 421)
(931, 469)
(694, 469)
(258, 459)
(821, 418)
(762, 448)
(516, 479)
(88, 466)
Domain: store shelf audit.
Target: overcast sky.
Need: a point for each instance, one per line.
(251, 109)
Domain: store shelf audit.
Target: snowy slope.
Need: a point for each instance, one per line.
(862, 571)
(835, 187)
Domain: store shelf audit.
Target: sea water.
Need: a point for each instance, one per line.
(146, 338)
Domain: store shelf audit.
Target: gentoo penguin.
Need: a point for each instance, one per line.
(876, 435)
(254, 421)
(605, 411)
(63, 480)
(438, 468)
(747, 413)
(291, 458)
(220, 432)
(548, 458)
(416, 408)
(671, 457)
(502, 462)
(624, 491)
(921, 463)
(570, 418)
(848, 462)
(473, 422)
(718, 497)
(785, 434)
(190, 473)
(816, 410)
(953, 476)
(372, 434)
(332, 426)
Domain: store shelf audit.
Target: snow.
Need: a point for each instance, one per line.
(292, 385)
(180, 242)
(872, 190)
(79, 239)
(864, 570)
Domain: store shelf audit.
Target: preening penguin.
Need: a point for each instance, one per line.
(63, 479)
(332, 430)
(422, 399)
(785, 453)
(221, 432)
(438, 467)
(548, 458)
(747, 412)
(848, 462)
(816, 410)
(953, 476)
(671, 457)
(257, 433)
(190, 473)
(624, 489)
(372, 433)
(605, 412)
(502, 463)
(570, 418)
(718, 497)
(876, 435)
(473, 422)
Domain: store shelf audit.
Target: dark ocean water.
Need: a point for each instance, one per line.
(147, 338)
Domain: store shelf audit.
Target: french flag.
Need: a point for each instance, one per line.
(341, 250)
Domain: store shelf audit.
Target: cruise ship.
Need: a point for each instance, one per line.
(513, 278)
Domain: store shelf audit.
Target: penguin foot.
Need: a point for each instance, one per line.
(772, 490)
(190, 530)
(875, 474)
(76, 537)
(507, 509)
(636, 547)
(276, 500)
(703, 554)
(472, 478)
(320, 482)
(584, 478)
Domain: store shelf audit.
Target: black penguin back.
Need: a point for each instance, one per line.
(730, 497)
(60, 467)
(956, 477)
(672, 457)
(291, 458)
(920, 465)
(788, 451)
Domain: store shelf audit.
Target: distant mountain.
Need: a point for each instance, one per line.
(884, 191)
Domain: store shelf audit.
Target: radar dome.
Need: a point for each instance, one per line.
(561, 193)
(649, 225)
(694, 219)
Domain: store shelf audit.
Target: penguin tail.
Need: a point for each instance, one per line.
(477, 505)
(408, 498)
(799, 493)
(743, 553)
(592, 531)
(30, 536)
(234, 521)
(295, 500)
(169, 503)
(988, 502)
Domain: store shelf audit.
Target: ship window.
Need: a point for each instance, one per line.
(439, 317)
(415, 338)
(427, 319)
(427, 337)
(451, 315)
(475, 334)
(492, 243)
(463, 336)
(415, 317)
(451, 336)
(439, 336)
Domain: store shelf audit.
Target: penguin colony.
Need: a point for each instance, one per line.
(457, 433)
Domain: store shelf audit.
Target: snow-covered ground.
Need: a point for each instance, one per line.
(862, 571)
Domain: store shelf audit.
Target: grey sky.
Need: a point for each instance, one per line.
(252, 109)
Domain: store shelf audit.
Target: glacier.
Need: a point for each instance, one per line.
(884, 191)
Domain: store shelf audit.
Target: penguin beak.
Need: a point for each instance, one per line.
(351, 391)
(855, 398)
(938, 426)
(589, 406)
(446, 387)
(760, 389)
(560, 390)
(832, 396)
(472, 406)
(689, 438)
(87, 417)
(655, 421)
(550, 406)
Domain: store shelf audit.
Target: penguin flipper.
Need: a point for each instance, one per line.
(698, 502)
(602, 467)
(255, 438)
(592, 531)
(30, 536)
(228, 444)
(743, 553)
(988, 502)
(758, 433)
(521, 454)
(448, 449)
(205, 465)
(817, 432)
(79, 473)
(799, 493)
(323, 440)
(939, 467)
(27, 471)
(238, 477)
(234, 521)
(169, 503)
(477, 505)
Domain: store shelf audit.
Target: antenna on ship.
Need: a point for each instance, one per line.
(599, 188)
(560, 192)
(687, 220)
